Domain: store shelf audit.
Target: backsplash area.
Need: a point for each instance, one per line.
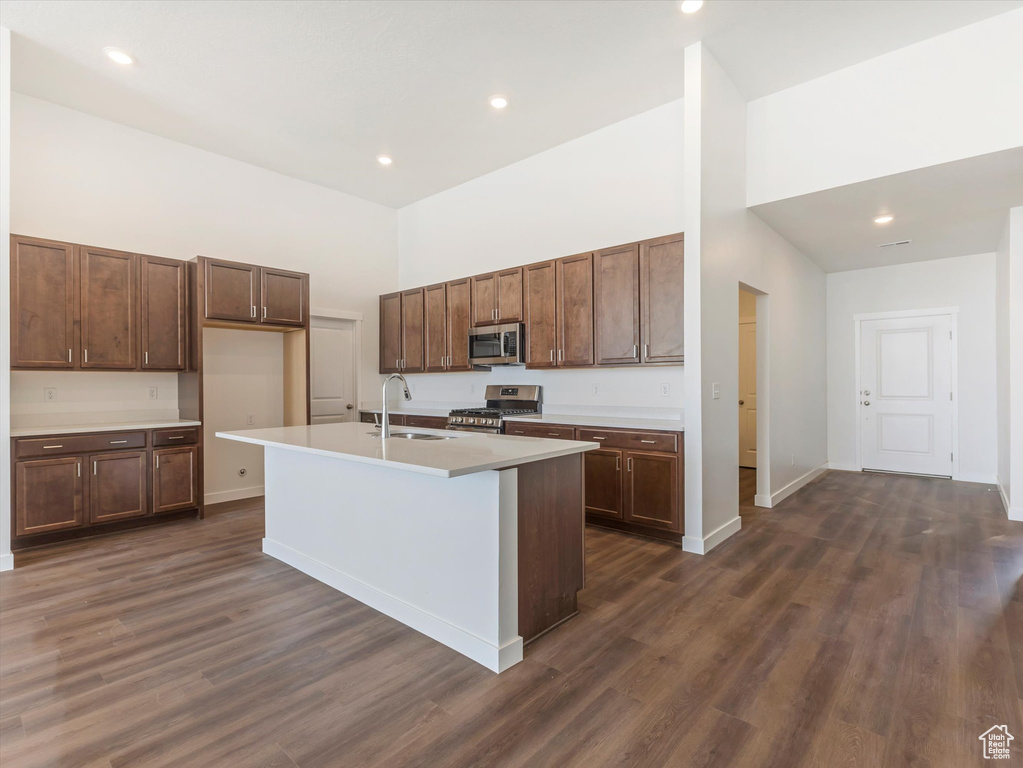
(91, 396)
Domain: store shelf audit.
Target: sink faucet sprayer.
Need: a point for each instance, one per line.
(385, 428)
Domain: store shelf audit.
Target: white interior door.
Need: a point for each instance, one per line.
(748, 394)
(332, 369)
(905, 403)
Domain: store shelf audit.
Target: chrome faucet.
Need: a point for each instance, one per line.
(385, 428)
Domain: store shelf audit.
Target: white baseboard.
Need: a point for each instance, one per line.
(1016, 513)
(842, 466)
(702, 546)
(762, 500)
(1003, 495)
(969, 477)
(798, 483)
(218, 497)
(493, 657)
(7, 562)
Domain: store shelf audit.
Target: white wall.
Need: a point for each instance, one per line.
(966, 282)
(243, 375)
(619, 184)
(1009, 375)
(950, 97)
(79, 178)
(6, 559)
(727, 245)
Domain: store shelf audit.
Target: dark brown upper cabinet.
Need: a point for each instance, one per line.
(390, 333)
(413, 312)
(661, 263)
(42, 303)
(459, 301)
(109, 312)
(284, 296)
(575, 310)
(117, 487)
(616, 305)
(540, 315)
(435, 329)
(497, 297)
(232, 291)
(163, 307)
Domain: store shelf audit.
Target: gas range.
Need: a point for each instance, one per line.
(501, 402)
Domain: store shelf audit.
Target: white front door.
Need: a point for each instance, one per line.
(332, 370)
(748, 394)
(905, 399)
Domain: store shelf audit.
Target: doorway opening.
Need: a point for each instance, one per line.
(748, 463)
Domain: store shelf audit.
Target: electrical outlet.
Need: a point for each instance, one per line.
(596, 389)
(665, 390)
(250, 419)
(154, 393)
(50, 394)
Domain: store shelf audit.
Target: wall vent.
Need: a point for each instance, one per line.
(897, 242)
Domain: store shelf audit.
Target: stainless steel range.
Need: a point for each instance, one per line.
(501, 402)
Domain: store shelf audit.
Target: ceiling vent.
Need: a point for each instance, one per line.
(898, 242)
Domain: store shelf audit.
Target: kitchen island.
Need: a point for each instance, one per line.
(475, 540)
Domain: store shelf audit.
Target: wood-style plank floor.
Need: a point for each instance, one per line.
(868, 620)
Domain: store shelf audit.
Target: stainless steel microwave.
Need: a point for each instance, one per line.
(496, 344)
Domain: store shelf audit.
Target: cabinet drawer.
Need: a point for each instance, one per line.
(426, 422)
(65, 444)
(179, 436)
(663, 442)
(540, 430)
(368, 418)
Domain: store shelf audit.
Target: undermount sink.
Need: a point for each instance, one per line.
(415, 436)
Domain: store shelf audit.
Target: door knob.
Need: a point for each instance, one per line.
(742, 402)
(866, 391)
(349, 406)
(866, 402)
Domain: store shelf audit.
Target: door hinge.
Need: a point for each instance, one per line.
(951, 457)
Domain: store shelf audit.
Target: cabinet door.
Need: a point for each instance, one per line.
(661, 268)
(163, 305)
(651, 489)
(458, 323)
(509, 295)
(390, 333)
(108, 308)
(435, 330)
(117, 487)
(284, 296)
(231, 291)
(540, 315)
(412, 316)
(603, 477)
(48, 495)
(575, 310)
(175, 481)
(42, 303)
(484, 304)
(616, 305)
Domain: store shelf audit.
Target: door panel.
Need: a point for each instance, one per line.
(435, 330)
(603, 479)
(616, 305)
(541, 334)
(459, 319)
(117, 486)
(412, 316)
(109, 291)
(484, 304)
(48, 495)
(284, 296)
(509, 295)
(748, 395)
(390, 333)
(231, 291)
(332, 370)
(575, 310)
(905, 404)
(651, 489)
(661, 281)
(175, 482)
(163, 313)
(42, 303)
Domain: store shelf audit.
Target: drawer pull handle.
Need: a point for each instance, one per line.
(117, 442)
(176, 437)
(599, 438)
(53, 446)
(553, 434)
(651, 442)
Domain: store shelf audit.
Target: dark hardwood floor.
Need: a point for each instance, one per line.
(868, 620)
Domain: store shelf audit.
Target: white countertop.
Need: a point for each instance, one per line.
(463, 454)
(609, 422)
(106, 426)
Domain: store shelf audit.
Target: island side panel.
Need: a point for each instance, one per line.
(550, 543)
(425, 550)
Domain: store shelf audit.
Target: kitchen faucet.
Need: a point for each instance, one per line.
(385, 428)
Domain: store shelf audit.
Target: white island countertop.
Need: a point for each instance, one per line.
(463, 453)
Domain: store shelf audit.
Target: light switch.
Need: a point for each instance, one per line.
(665, 390)
(715, 391)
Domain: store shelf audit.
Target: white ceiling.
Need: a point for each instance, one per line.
(952, 209)
(316, 90)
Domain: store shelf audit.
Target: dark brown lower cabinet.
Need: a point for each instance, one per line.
(48, 495)
(117, 486)
(651, 489)
(604, 483)
(175, 478)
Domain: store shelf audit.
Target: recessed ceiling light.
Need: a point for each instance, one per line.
(384, 159)
(883, 219)
(498, 102)
(119, 56)
(691, 6)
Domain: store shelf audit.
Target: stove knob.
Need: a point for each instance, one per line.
(456, 419)
(470, 420)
